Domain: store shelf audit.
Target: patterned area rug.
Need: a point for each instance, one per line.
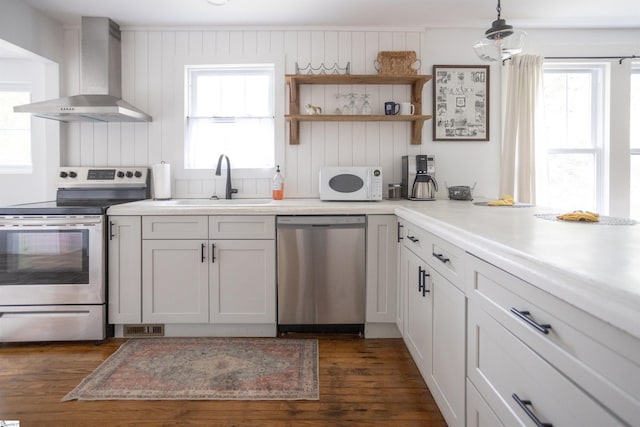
(206, 369)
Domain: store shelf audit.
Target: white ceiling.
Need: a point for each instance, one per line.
(351, 13)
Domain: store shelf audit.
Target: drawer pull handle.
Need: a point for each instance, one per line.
(400, 232)
(213, 253)
(413, 239)
(202, 246)
(111, 235)
(524, 315)
(524, 404)
(441, 257)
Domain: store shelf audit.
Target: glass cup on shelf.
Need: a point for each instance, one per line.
(366, 107)
(351, 107)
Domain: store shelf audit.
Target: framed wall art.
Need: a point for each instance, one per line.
(461, 102)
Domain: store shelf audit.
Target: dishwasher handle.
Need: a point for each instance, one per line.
(349, 221)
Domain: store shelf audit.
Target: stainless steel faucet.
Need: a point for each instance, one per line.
(228, 190)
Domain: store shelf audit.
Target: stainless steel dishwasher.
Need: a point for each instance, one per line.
(321, 273)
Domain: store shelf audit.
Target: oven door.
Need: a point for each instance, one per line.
(51, 260)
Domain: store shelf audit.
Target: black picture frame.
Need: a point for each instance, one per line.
(461, 103)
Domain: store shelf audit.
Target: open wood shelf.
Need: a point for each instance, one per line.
(294, 81)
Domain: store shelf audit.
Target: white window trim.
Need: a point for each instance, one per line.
(19, 169)
(181, 64)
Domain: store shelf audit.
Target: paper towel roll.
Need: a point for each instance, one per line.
(161, 181)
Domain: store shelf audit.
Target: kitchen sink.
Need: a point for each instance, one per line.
(216, 202)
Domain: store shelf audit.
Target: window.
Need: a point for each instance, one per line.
(230, 110)
(572, 151)
(634, 132)
(15, 130)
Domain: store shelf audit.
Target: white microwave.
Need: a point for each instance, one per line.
(351, 183)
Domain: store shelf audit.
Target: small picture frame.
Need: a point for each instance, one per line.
(461, 102)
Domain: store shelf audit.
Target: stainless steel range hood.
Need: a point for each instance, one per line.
(101, 76)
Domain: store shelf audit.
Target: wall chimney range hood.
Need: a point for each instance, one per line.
(101, 77)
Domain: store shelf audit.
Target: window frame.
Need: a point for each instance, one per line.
(599, 72)
(183, 64)
(635, 69)
(25, 168)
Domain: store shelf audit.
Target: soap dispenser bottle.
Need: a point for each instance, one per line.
(277, 185)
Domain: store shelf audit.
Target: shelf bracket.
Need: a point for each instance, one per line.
(294, 87)
(416, 93)
(416, 132)
(294, 132)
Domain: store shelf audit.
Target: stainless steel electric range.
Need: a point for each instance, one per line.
(53, 256)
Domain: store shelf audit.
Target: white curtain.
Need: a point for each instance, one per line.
(523, 109)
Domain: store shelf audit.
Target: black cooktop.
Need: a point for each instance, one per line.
(52, 208)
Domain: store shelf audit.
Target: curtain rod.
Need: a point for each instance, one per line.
(620, 58)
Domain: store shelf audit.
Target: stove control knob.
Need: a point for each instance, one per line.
(129, 174)
(72, 174)
(63, 174)
(137, 174)
(120, 174)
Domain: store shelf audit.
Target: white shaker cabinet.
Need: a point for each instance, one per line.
(125, 269)
(435, 317)
(418, 309)
(242, 281)
(532, 356)
(175, 278)
(382, 238)
(242, 269)
(175, 281)
(209, 269)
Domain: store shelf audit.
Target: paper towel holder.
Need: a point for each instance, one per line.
(161, 181)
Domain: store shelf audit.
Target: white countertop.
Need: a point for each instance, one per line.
(592, 266)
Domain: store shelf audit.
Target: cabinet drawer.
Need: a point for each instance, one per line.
(415, 239)
(479, 414)
(446, 259)
(504, 369)
(242, 227)
(174, 227)
(599, 358)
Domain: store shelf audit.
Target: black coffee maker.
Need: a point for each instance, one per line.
(418, 177)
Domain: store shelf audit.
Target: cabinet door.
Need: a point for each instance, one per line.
(175, 281)
(381, 268)
(125, 269)
(446, 378)
(243, 281)
(417, 325)
(401, 278)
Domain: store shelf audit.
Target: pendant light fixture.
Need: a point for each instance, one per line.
(500, 42)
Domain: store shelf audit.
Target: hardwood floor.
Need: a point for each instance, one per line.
(362, 382)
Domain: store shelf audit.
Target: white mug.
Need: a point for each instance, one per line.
(407, 109)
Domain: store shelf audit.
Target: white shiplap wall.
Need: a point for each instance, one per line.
(148, 67)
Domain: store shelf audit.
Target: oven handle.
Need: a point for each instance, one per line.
(51, 222)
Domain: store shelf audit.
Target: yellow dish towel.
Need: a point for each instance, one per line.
(584, 216)
(506, 200)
